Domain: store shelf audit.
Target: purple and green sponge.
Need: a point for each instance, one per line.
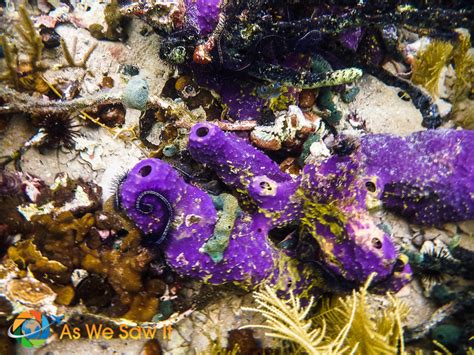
(210, 238)
(196, 231)
(427, 177)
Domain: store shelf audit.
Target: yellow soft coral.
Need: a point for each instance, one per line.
(463, 57)
(372, 332)
(463, 65)
(343, 324)
(429, 63)
(288, 320)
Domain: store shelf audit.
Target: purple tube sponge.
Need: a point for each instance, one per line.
(348, 242)
(191, 223)
(152, 196)
(277, 201)
(345, 238)
(240, 98)
(427, 177)
(203, 15)
(183, 218)
(351, 38)
(235, 161)
(248, 170)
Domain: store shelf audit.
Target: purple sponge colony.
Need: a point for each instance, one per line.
(248, 258)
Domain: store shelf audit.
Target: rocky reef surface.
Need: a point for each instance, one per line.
(161, 161)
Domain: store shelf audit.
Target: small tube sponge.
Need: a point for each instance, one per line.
(235, 161)
(135, 94)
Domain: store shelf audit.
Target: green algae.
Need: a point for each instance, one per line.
(229, 210)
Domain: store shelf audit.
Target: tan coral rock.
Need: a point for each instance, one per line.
(30, 292)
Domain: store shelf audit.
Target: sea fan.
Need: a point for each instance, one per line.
(287, 320)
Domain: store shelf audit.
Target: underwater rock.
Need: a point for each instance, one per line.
(447, 334)
(152, 347)
(66, 195)
(243, 338)
(163, 16)
(114, 21)
(111, 115)
(10, 183)
(50, 38)
(129, 69)
(30, 292)
(196, 96)
(95, 291)
(307, 98)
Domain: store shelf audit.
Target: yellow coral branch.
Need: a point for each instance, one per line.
(10, 61)
(287, 320)
(429, 63)
(70, 57)
(27, 31)
(346, 325)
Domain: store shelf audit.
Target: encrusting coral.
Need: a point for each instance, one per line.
(74, 248)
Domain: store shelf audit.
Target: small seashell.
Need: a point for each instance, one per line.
(307, 98)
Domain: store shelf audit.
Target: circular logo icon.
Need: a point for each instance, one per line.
(30, 328)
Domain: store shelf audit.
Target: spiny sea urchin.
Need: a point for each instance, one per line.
(59, 129)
